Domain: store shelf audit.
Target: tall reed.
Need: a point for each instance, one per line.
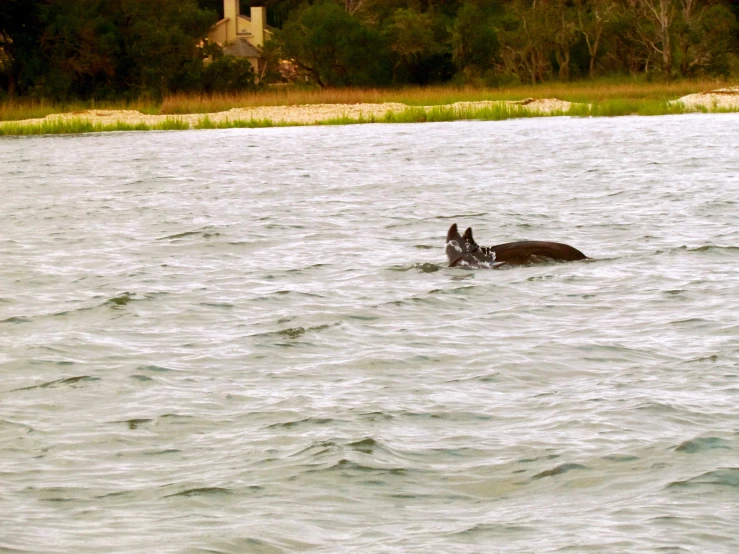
(76, 126)
(595, 91)
(579, 91)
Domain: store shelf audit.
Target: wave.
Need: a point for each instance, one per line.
(156, 368)
(204, 232)
(135, 423)
(17, 320)
(67, 381)
(202, 491)
(295, 332)
(706, 248)
(420, 267)
(702, 444)
(305, 422)
(559, 470)
(118, 301)
(724, 477)
(501, 530)
(459, 216)
(345, 465)
(345, 448)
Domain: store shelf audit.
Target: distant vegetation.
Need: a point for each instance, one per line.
(493, 42)
(609, 96)
(128, 51)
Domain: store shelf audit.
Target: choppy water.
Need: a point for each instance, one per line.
(248, 341)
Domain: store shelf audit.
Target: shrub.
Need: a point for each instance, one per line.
(228, 74)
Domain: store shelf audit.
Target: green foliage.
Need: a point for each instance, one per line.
(627, 106)
(20, 34)
(207, 123)
(228, 74)
(334, 48)
(66, 50)
(704, 38)
(161, 39)
(475, 44)
(101, 48)
(77, 126)
(418, 44)
(270, 63)
(347, 120)
(249, 124)
(80, 46)
(494, 112)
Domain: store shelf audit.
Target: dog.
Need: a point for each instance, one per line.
(463, 251)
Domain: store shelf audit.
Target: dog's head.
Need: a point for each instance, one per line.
(463, 251)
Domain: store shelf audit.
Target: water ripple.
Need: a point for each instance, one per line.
(248, 340)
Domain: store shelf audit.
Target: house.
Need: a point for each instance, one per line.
(239, 35)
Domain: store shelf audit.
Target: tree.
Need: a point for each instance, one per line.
(334, 48)
(560, 21)
(20, 56)
(93, 48)
(525, 42)
(475, 45)
(160, 41)
(592, 20)
(660, 14)
(704, 37)
(412, 41)
(353, 7)
(80, 47)
(228, 74)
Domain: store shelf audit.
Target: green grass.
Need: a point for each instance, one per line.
(248, 124)
(497, 112)
(413, 114)
(347, 120)
(622, 106)
(643, 107)
(207, 123)
(77, 126)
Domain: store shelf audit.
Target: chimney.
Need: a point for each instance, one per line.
(231, 12)
(258, 19)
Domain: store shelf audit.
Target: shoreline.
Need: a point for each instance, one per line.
(306, 114)
(101, 120)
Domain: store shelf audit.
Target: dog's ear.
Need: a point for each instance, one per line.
(468, 238)
(453, 234)
(455, 246)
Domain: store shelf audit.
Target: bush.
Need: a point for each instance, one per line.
(228, 74)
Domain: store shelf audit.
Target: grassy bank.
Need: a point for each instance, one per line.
(582, 92)
(76, 126)
(409, 115)
(590, 99)
(591, 92)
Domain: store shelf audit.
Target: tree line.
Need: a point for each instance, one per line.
(65, 49)
(362, 42)
(82, 49)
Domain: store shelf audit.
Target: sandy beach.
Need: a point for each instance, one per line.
(721, 99)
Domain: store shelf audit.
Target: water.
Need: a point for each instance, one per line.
(248, 341)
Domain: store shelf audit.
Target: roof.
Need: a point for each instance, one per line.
(241, 49)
